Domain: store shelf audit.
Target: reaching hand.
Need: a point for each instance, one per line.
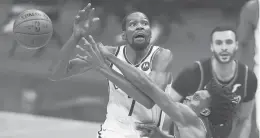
(93, 55)
(149, 130)
(84, 21)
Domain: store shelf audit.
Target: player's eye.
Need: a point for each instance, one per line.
(146, 23)
(219, 42)
(132, 24)
(229, 42)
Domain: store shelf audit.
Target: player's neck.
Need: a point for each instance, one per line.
(224, 72)
(135, 56)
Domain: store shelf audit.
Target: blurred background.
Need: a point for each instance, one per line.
(180, 25)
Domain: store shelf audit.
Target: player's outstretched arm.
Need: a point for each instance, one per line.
(242, 122)
(160, 74)
(179, 113)
(82, 27)
(127, 87)
(246, 25)
(98, 63)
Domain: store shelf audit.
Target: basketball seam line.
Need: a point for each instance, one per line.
(28, 20)
(32, 34)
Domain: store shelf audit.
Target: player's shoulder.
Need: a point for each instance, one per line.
(251, 76)
(163, 56)
(250, 73)
(202, 63)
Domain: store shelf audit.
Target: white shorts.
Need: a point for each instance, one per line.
(105, 133)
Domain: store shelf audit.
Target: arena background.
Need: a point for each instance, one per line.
(187, 25)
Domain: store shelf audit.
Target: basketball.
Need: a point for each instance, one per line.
(33, 29)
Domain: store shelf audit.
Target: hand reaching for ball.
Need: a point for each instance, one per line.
(84, 21)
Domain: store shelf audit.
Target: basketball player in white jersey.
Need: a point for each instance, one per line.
(248, 27)
(123, 112)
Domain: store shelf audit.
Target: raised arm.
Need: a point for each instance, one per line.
(179, 113)
(246, 25)
(160, 74)
(82, 27)
(119, 80)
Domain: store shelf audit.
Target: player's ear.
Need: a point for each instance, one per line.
(205, 112)
(123, 36)
(211, 47)
(237, 44)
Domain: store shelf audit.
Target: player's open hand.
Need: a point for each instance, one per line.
(84, 21)
(93, 55)
(148, 130)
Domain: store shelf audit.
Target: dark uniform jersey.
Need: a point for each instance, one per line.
(196, 77)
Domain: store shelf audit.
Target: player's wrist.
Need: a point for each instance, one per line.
(76, 37)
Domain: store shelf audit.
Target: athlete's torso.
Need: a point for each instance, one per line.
(257, 43)
(122, 110)
(237, 85)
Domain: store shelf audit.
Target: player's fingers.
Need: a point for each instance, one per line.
(92, 22)
(90, 14)
(84, 50)
(87, 7)
(77, 19)
(87, 46)
(80, 48)
(82, 57)
(92, 43)
(81, 13)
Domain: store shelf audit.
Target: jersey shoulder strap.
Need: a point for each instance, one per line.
(246, 79)
(201, 75)
(116, 53)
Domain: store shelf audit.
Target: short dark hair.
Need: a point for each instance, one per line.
(221, 106)
(222, 29)
(123, 25)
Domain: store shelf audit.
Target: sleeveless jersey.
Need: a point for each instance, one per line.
(238, 85)
(122, 110)
(257, 46)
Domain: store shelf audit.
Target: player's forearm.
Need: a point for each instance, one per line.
(127, 87)
(163, 135)
(246, 129)
(64, 56)
(242, 129)
(132, 74)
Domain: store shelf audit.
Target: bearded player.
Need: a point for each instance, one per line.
(248, 28)
(225, 72)
(122, 110)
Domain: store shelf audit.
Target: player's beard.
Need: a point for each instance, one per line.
(231, 57)
(140, 46)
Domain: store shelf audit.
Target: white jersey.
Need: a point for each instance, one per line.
(257, 67)
(122, 110)
(257, 45)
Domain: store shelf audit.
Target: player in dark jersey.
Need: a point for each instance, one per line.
(235, 85)
(227, 72)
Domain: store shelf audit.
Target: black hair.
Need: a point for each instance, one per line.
(222, 29)
(221, 106)
(123, 25)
